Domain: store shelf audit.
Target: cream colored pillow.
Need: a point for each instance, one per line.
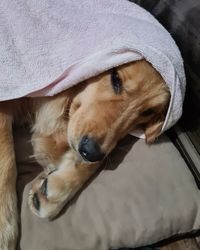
(145, 194)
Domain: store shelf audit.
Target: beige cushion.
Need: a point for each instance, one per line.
(145, 194)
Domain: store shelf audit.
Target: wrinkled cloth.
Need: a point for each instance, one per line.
(48, 46)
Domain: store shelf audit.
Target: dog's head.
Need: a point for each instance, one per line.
(112, 104)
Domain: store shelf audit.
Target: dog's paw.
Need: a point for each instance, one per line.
(48, 194)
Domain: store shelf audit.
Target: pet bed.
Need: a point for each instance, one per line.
(134, 201)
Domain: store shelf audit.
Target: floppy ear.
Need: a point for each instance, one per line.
(157, 115)
(152, 131)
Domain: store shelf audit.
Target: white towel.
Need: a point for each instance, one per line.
(47, 46)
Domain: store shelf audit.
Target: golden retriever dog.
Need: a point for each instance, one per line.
(73, 132)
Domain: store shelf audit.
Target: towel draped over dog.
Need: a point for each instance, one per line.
(48, 46)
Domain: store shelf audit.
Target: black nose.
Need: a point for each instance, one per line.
(90, 150)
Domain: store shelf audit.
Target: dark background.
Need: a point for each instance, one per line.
(182, 19)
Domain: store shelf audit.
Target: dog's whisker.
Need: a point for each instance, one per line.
(32, 156)
(35, 155)
(31, 160)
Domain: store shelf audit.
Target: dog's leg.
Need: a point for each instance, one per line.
(49, 138)
(8, 198)
(48, 149)
(49, 193)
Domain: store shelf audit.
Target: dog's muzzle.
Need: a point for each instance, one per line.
(90, 150)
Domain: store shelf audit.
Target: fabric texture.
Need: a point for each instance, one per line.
(181, 18)
(135, 201)
(48, 46)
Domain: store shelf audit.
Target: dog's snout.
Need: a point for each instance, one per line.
(90, 150)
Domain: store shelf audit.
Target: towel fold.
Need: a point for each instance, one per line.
(47, 46)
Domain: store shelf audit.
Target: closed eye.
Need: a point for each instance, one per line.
(148, 112)
(116, 81)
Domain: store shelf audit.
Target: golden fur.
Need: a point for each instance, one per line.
(58, 123)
